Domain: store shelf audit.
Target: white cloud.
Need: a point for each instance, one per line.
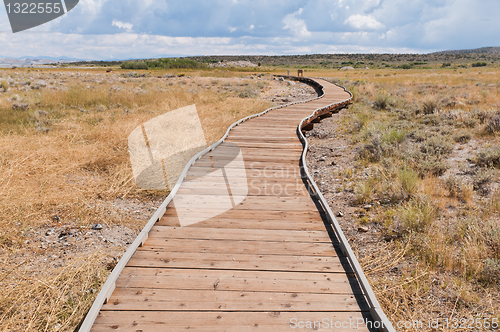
(363, 22)
(297, 26)
(121, 25)
(91, 7)
(256, 27)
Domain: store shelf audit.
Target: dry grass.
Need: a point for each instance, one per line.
(84, 156)
(37, 301)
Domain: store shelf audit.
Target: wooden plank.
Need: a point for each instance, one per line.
(240, 247)
(130, 299)
(167, 232)
(222, 221)
(246, 262)
(263, 214)
(228, 280)
(228, 321)
(250, 172)
(252, 164)
(192, 203)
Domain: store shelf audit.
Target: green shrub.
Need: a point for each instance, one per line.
(134, 65)
(479, 64)
(416, 215)
(405, 66)
(361, 119)
(431, 120)
(381, 102)
(165, 63)
(488, 157)
(491, 271)
(394, 135)
(434, 167)
(493, 124)
(462, 137)
(437, 146)
(481, 178)
(5, 86)
(409, 180)
(372, 151)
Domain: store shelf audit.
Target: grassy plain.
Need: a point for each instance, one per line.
(426, 137)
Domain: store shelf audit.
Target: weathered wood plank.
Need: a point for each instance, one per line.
(255, 281)
(246, 262)
(229, 321)
(239, 234)
(130, 299)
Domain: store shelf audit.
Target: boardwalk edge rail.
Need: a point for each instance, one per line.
(110, 284)
(375, 310)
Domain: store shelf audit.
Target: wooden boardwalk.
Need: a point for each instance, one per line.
(267, 264)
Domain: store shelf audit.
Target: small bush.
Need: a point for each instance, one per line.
(481, 178)
(5, 86)
(429, 107)
(415, 215)
(470, 122)
(394, 136)
(488, 157)
(405, 66)
(431, 120)
(361, 119)
(437, 146)
(372, 151)
(431, 166)
(491, 271)
(422, 135)
(381, 102)
(479, 64)
(462, 137)
(493, 125)
(457, 189)
(409, 180)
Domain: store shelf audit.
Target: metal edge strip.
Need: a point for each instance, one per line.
(375, 309)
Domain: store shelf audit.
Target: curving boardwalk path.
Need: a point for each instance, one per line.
(271, 263)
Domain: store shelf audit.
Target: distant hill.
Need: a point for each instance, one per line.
(489, 50)
(36, 61)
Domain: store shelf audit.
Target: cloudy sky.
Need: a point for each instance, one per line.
(105, 29)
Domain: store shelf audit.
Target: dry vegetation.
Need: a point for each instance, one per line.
(426, 182)
(64, 167)
(427, 161)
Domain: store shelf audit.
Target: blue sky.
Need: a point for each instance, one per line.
(104, 29)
